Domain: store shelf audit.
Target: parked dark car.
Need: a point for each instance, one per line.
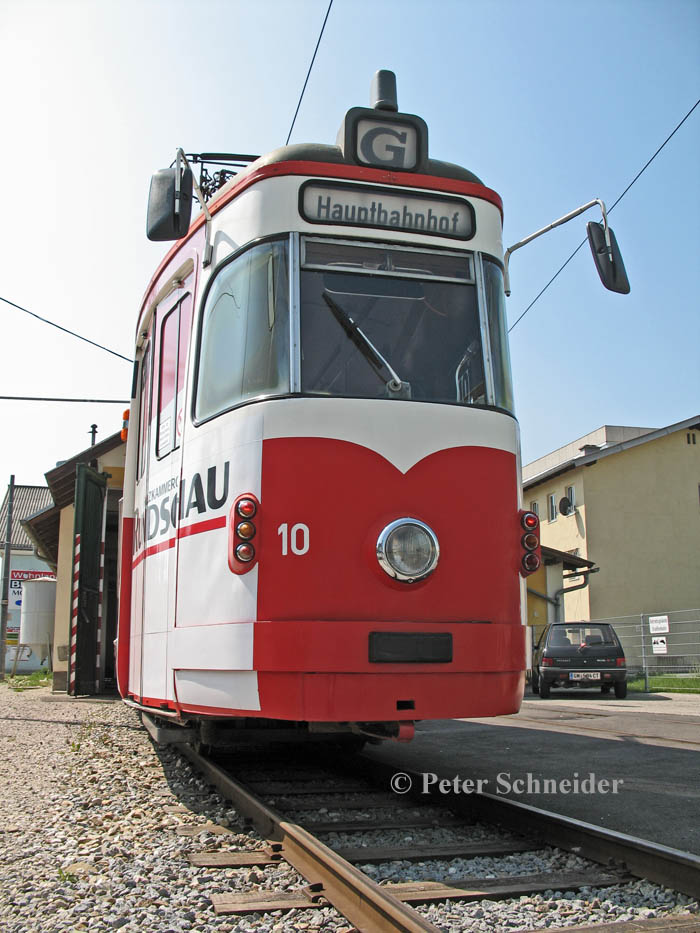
(579, 654)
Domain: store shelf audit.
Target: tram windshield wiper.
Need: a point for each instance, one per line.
(395, 386)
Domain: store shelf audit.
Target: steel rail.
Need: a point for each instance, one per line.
(359, 899)
(645, 859)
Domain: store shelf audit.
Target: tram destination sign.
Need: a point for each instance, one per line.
(362, 206)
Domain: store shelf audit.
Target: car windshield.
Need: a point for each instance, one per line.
(580, 635)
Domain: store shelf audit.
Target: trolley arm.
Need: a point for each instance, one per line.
(557, 223)
(365, 346)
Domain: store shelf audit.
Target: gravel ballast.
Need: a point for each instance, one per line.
(88, 837)
(89, 841)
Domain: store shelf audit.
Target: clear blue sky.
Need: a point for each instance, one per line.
(550, 103)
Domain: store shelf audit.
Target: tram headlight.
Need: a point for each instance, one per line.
(408, 550)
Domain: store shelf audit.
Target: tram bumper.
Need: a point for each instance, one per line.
(335, 671)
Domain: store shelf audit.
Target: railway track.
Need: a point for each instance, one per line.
(325, 800)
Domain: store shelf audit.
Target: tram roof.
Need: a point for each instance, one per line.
(333, 155)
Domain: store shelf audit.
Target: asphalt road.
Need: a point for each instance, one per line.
(649, 744)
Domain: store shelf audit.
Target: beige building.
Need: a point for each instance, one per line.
(52, 533)
(630, 497)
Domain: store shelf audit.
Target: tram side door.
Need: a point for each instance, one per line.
(140, 544)
(173, 322)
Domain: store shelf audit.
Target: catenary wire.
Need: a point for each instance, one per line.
(583, 242)
(308, 74)
(39, 398)
(66, 330)
(107, 349)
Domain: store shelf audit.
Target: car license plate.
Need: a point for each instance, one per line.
(584, 675)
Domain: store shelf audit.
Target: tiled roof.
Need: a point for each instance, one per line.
(27, 501)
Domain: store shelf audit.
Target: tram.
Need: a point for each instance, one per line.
(322, 525)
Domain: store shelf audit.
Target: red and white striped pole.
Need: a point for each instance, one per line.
(98, 658)
(74, 617)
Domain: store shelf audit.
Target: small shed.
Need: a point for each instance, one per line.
(78, 536)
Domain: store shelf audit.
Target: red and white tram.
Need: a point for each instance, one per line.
(321, 520)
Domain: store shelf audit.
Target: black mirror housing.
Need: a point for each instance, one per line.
(612, 274)
(167, 219)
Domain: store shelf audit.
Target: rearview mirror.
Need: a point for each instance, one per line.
(169, 210)
(612, 274)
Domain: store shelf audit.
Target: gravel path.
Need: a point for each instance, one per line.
(89, 841)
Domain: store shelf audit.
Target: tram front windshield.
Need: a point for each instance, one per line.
(386, 322)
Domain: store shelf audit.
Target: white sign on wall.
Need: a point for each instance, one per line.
(658, 624)
(659, 645)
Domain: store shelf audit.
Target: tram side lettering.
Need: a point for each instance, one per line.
(163, 511)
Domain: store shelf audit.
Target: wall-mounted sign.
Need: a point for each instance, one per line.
(658, 624)
(359, 206)
(659, 644)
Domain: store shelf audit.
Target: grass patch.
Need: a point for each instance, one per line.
(666, 683)
(20, 682)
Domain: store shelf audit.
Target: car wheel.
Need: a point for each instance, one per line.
(605, 688)
(544, 689)
(621, 690)
(535, 682)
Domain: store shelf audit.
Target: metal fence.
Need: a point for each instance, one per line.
(660, 642)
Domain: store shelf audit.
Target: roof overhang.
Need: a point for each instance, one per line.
(42, 530)
(571, 562)
(61, 480)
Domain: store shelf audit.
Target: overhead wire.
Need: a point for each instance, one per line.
(101, 346)
(583, 242)
(39, 398)
(66, 330)
(32, 398)
(308, 73)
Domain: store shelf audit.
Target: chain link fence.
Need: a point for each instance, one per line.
(660, 643)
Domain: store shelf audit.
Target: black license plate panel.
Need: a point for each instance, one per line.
(410, 647)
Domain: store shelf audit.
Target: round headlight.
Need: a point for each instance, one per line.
(408, 550)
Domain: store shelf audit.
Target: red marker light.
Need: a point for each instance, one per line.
(529, 521)
(531, 562)
(245, 552)
(246, 508)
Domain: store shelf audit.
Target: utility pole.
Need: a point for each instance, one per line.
(6, 579)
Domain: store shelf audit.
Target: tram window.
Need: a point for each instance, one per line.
(500, 355)
(174, 339)
(416, 317)
(245, 333)
(144, 410)
(383, 260)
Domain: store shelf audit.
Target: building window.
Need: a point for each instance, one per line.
(535, 507)
(571, 496)
(552, 508)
